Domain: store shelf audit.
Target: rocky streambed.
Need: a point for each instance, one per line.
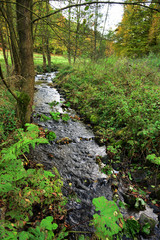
(74, 153)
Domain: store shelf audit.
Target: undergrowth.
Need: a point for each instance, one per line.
(31, 199)
(120, 97)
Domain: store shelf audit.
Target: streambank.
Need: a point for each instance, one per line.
(74, 153)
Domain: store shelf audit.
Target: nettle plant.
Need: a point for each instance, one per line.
(23, 190)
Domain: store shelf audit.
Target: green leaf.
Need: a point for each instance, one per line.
(146, 228)
(110, 221)
(86, 8)
(47, 223)
(23, 235)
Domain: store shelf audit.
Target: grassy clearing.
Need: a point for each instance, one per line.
(38, 60)
(55, 60)
(120, 97)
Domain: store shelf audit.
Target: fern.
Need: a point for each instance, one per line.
(30, 137)
(154, 159)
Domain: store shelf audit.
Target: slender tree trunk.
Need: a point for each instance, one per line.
(47, 39)
(95, 31)
(44, 54)
(77, 32)
(4, 51)
(26, 56)
(13, 38)
(69, 35)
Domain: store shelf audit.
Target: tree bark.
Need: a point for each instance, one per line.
(26, 57)
(47, 38)
(8, 15)
(4, 51)
(44, 54)
(77, 32)
(69, 35)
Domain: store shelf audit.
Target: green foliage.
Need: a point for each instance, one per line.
(44, 118)
(53, 104)
(154, 159)
(128, 40)
(43, 231)
(7, 122)
(22, 190)
(51, 136)
(109, 221)
(65, 117)
(55, 115)
(146, 228)
(120, 97)
(132, 228)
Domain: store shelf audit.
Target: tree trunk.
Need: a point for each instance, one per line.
(69, 35)
(48, 54)
(95, 31)
(77, 31)
(13, 38)
(26, 57)
(4, 51)
(47, 38)
(44, 54)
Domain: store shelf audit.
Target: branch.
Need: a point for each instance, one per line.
(141, 4)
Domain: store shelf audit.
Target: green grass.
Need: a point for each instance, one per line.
(38, 61)
(55, 60)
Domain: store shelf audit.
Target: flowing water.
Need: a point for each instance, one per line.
(74, 154)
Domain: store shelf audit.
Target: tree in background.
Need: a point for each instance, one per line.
(132, 33)
(154, 31)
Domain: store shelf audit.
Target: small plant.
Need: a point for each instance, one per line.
(44, 118)
(55, 115)
(8, 122)
(132, 228)
(67, 104)
(53, 104)
(154, 159)
(51, 136)
(65, 117)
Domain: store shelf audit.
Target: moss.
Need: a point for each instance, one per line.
(22, 104)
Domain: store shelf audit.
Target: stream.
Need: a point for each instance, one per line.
(74, 153)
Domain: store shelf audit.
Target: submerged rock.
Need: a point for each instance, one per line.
(144, 220)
